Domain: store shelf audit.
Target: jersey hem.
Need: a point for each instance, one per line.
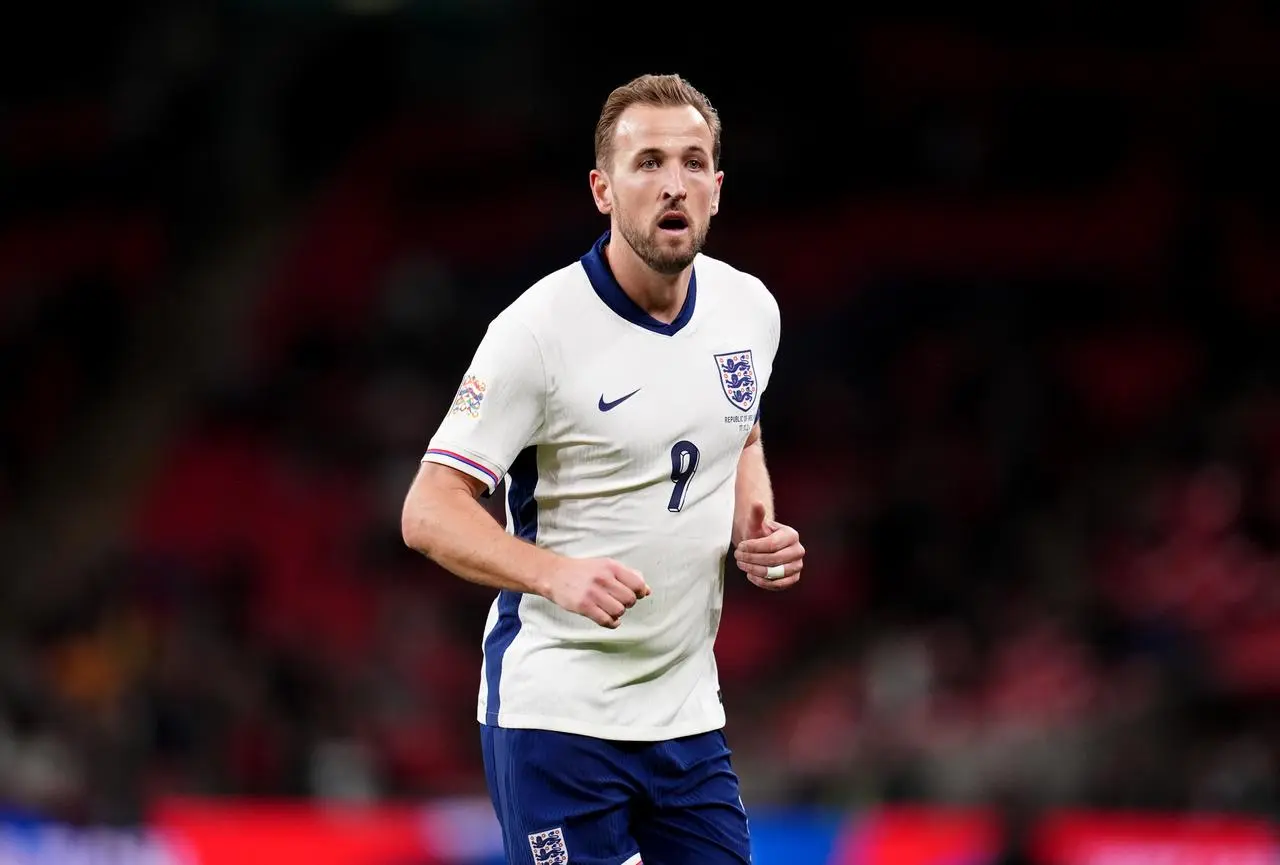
(600, 731)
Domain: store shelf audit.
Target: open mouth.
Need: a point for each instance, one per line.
(673, 221)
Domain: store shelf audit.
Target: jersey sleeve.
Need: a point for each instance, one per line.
(773, 331)
(498, 409)
(774, 317)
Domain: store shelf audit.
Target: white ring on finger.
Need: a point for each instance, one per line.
(775, 572)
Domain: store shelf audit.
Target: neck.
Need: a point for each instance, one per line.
(659, 294)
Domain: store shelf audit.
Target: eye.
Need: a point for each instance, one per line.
(649, 163)
(694, 164)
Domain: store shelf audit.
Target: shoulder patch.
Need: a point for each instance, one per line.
(469, 397)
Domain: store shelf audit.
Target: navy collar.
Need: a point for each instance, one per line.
(602, 280)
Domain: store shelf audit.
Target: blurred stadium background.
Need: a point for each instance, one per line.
(1026, 417)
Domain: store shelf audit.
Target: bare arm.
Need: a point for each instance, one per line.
(443, 521)
(752, 485)
(769, 552)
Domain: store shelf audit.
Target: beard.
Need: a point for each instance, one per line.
(648, 245)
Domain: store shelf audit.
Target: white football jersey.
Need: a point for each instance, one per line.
(619, 436)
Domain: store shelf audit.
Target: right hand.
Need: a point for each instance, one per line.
(600, 589)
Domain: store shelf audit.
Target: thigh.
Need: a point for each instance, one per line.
(695, 814)
(560, 798)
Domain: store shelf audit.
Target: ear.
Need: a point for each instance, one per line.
(601, 190)
(715, 195)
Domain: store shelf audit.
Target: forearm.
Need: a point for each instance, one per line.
(452, 529)
(752, 485)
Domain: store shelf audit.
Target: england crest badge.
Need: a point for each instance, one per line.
(738, 378)
(549, 847)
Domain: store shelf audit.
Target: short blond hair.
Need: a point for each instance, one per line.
(658, 90)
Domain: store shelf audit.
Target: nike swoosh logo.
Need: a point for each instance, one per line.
(606, 406)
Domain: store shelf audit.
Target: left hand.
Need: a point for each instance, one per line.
(766, 543)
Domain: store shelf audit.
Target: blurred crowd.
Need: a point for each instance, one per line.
(1024, 413)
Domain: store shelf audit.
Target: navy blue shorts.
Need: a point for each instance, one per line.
(563, 798)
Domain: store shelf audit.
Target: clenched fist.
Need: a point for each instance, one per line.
(600, 589)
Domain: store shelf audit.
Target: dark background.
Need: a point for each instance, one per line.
(1023, 415)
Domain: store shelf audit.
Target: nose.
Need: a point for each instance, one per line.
(674, 187)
